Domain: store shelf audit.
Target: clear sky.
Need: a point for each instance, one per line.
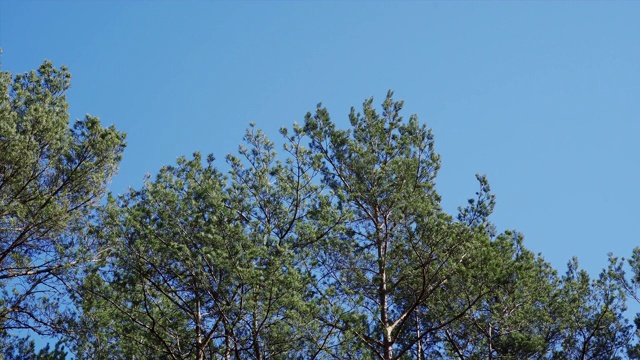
(543, 97)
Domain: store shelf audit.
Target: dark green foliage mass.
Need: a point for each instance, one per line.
(336, 248)
(52, 177)
(24, 349)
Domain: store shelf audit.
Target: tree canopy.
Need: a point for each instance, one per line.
(335, 248)
(52, 178)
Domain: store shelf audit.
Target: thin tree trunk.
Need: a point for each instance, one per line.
(387, 344)
(227, 345)
(490, 342)
(256, 343)
(419, 351)
(199, 345)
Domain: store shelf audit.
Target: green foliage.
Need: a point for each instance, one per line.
(630, 283)
(14, 348)
(201, 267)
(514, 319)
(336, 248)
(596, 328)
(398, 254)
(51, 179)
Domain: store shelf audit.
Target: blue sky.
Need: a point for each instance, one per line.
(540, 96)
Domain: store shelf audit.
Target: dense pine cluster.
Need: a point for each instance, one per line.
(335, 247)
